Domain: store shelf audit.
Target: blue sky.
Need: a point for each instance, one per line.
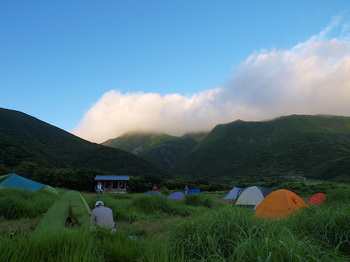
(60, 59)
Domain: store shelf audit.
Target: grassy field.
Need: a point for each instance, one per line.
(155, 228)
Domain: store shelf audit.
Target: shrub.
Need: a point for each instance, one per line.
(199, 200)
(151, 204)
(164, 191)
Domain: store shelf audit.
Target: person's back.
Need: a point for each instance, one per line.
(102, 216)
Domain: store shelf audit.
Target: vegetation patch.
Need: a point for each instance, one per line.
(17, 203)
(199, 200)
(151, 204)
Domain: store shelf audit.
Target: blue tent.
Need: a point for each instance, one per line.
(193, 191)
(177, 195)
(16, 181)
(153, 192)
(233, 194)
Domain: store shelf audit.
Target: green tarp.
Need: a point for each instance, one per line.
(69, 205)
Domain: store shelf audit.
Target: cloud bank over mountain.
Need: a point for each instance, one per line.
(313, 77)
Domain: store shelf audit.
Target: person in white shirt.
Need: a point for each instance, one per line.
(102, 216)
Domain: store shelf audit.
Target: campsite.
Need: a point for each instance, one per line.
(175, 131)
(171, 226)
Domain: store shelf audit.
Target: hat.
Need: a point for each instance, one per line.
(99, 203)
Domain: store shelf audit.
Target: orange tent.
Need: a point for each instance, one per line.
(317, 199)
(279, 204)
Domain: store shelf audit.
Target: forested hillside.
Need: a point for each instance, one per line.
(161, 149)
(286, 145)
(27, 141)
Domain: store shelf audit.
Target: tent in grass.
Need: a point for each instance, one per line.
(177, 195)
(153, 192)
(317, 199)
(279, 204)
(252, 196)
(233, 193)
(193, 191)
(69, 209)
(2, 178)
(16, 181)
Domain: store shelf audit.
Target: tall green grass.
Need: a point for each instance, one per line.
(78, 245)
(328, 224)
(233, 234)
(17, 203)
(208, 232)
(199, 200)
(153, 204)
(340, 195)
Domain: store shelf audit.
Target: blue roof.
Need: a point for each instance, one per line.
(17, 181)
(112, 178)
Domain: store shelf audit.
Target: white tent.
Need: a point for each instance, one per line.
(252, 196)
(233, 193)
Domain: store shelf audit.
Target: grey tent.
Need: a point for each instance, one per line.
(233, 194)
(252, 196)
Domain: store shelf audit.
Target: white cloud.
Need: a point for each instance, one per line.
(313, 77)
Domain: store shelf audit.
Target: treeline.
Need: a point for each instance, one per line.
(84, 179)
(145, 183)
(80, 179)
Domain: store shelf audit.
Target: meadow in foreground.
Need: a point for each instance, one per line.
(195, 229)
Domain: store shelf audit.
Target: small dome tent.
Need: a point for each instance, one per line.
(153, 192)
(233, 194)
(280, 203)
(317, 199)
(70, 205)
(177, 196)
(193, 191)
(252, 196)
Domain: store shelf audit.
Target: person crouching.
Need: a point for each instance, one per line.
(102, 216)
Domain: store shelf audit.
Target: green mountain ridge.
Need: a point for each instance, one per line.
(24, 138)
(161, 149)
(315, 145)
(296, 143)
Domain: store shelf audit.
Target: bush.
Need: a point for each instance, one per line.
(199, 200)
(151, 204)
(164, 191)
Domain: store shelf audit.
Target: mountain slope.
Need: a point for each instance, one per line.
(255, 148)
(25, 138)
(161, 149)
